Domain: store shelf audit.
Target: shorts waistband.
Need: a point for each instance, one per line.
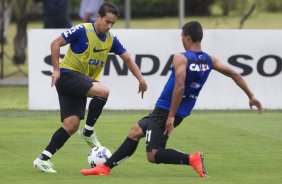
(161, 111)
(63, 70)
(164, 112)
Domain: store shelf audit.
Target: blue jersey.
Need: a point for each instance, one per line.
(79, 43)
(198, 69)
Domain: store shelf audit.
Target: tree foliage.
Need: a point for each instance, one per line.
(272, 5)
(159, 8)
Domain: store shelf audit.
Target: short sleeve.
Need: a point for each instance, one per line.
(73, 33)
(117, 47)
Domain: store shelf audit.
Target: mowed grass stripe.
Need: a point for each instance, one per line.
(239, 146)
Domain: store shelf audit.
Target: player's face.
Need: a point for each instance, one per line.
(104, 24)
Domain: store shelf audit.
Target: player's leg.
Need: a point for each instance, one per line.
(60, 136)
(99, 94)
(171, 156)
(58, 139)
(80, 85)
(72, 110)
(156, 141)
(156, 144)
(126, 149)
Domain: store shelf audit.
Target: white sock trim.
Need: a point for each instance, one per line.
(47, 153)
(87, 127)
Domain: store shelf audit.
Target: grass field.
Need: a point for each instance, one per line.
(13, 97)
(240, 147)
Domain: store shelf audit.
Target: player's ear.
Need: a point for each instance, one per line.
(189, 39)
(186, 39)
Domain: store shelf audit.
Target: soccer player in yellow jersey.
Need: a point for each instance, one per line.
(76, 78)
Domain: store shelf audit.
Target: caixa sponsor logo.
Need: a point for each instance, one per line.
(96, 63)
(239, 61)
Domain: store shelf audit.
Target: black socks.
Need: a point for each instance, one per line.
(95, 108)
(170, 156)
(57, 141)
(127, 148)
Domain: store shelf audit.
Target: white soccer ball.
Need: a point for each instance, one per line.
(98, 155)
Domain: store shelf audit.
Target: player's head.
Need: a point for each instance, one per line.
(108, 8)
(106, 18)
(194, 30)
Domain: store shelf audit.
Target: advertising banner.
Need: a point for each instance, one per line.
(255, 54)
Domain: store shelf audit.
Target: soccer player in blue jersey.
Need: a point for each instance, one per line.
(189, 73)
(76, 78)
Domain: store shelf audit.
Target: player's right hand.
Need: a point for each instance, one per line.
(55, 77)
(142, 87)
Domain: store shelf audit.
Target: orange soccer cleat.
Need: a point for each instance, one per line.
(101, 169)
(197, 162)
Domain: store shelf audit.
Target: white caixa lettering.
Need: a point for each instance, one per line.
(199, 67)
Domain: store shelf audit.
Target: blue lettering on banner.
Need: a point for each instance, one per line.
(234, 61)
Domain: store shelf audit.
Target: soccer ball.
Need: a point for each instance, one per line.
(98, 155)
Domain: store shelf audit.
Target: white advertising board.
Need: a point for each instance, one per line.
(256, 54)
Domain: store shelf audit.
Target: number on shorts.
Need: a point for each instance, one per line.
(148, 135)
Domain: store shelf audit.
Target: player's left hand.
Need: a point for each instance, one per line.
(142, 87)
(255, 102)
(169, 126)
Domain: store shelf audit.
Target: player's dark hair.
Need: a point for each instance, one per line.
(108, 8)
(194, 30)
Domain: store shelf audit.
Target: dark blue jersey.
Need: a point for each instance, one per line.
(198, 69)
(76, 37)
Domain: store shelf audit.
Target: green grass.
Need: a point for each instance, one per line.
(13, 97)
(240, 147)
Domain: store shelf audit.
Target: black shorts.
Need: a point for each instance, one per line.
(72, 88)
(154, 125)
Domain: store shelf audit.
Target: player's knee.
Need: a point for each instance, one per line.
(135, 132)
(73, 128)
(151, 156)
(71, 124)
(104, 93)
(98, 90)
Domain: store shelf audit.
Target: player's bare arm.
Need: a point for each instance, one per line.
(135, 71)
(238, 79)
(55, 54)
(180, 65)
